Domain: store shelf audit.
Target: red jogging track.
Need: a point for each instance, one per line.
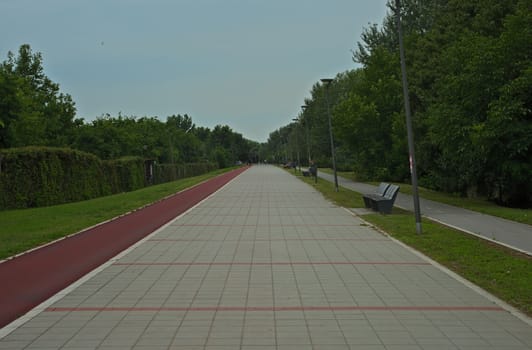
(28, 280)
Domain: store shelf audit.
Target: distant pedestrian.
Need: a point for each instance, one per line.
(313, 169)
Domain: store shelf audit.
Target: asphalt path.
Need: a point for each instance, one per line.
(508, 233)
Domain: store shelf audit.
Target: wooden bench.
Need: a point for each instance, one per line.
(383, 203)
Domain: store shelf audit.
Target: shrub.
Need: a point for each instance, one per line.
(41, 176)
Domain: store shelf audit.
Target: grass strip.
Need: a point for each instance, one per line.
(476, 204)
(500, 271)
(24, 229)
(345, 197)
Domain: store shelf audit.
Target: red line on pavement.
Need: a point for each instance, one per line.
(277, 308)
(267, 240)
(272, 207)
(210, 225)
(266, 225)
(414, 263)
(30, 279)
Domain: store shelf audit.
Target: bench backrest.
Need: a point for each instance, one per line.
(383, 186)
(391, 192)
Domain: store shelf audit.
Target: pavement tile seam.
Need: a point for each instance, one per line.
(270, 240)
(299, 296)
(275, 318)
(245, 337)
(315, 340)
(219, 300)
(243, 263)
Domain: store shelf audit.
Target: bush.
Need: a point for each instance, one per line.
(124, 174)
(171, 172)
(41, 176)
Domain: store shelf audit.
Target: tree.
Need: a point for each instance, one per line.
(10, 104)
(470, 79)
(504, 137)
(33, 111)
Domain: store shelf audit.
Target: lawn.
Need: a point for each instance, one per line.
(500, 271)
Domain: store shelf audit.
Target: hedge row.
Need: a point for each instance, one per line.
(171, 172)
(124, 174)
(41, 176)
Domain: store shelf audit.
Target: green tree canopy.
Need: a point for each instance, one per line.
(470, 75)
(33, 111)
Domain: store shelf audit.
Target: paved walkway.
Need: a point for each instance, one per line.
(267, 263)
(31, 278)
(509, 233)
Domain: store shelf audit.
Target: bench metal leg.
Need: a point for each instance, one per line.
(384, 207)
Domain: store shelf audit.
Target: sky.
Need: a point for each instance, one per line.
(248, 64)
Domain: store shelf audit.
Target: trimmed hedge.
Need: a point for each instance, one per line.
(171, 172)
(124, 174)
(42, 176)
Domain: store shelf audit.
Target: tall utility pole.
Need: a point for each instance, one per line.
(306, 121)
(327, 82)
(297, 142)
(413, 172)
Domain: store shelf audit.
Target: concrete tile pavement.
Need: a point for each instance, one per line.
(267, 263)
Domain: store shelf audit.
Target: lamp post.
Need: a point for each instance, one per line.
(304, 107)
(413, 172)
(286, 157)
(297, 142)
(327, 82)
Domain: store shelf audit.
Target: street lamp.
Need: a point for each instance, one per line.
(327, 82)
(304, 107)
(297, 142)
(410, 135)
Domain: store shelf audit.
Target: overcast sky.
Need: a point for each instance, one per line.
(245, 63)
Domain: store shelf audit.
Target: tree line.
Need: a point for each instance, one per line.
(34, 112)
(469, 65)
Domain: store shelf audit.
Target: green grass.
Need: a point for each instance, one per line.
(476, 204)
(498, 270)
(345, 198)
(28, 228)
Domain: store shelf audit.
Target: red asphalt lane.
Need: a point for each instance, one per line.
(31, 278)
